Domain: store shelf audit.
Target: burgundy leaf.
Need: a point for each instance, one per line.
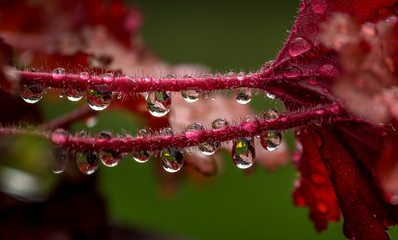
(341, 161)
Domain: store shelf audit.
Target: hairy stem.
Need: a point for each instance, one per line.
(183, 140)
(126, 84)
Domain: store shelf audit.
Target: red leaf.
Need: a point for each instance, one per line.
(339, 167)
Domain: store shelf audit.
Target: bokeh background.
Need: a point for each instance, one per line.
(223, 35)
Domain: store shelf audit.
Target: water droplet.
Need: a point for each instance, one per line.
(209, 147)
(270, 114)
(60, 159)
(59, 136)
(166, 131)
(191, 131)
(269, 95)
(171, 75)
(109, 157)
(292, 72)
(312, 81)
(61, 93)
(243, 95)
(271, 139)
(298, 46)
(158, 103)
(58, 73)
(85, 76)
(250, 123)
(87, 162)
(319, 6)
(172, 159)
(74, 95)
(141, 156)
(267, 65)
(328, 70)
(219, 123)
(99, 97)
(241, 76)
(108, 77)
(243, 153)
(32, 92)
(190, 95)
(318, 178)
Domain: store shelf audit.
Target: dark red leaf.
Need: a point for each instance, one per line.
(340, 167)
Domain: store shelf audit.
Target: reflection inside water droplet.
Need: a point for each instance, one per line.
(243, 152)
(172, 159)
(271, 139)
(87, 162)
(158, 103)
(32, 92)
(243, 95)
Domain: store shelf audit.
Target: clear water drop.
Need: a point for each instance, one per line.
(166, 131)
(191, 131)
(267, 65)
(61, 93)
(270, 115)
(243, 152)
(87, 162)
(209, 147)
(32, 92)
(58, 73)
(292, 72)
(158, 103)
(298, 46)
(270, 95)
(243, 95)
(99, 97)
(312, 81)
(271, 139)
(190, 95)
(250, 123)
(109, 158)
(328, 70)
(74, 95)
(85, 76)
(60, 162)
(172, 159)
(219, 123)
(59, 136)
(171, 75)
(108, 77)
(141, 156)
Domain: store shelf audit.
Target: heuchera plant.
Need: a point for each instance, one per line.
(336, 75)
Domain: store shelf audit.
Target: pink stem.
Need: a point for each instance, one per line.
(128, 85)
(182, 140)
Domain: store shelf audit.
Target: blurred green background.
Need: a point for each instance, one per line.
(223, 35)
